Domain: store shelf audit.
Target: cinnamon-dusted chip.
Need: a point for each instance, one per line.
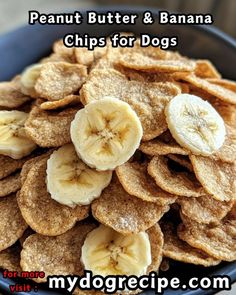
(125, 213)
(227, 111)
(137, 182)
(147, 99)
(52, 105)
(182, 161)
(162, 145)
(227, 153)
(217, 240)
(30, 163)
(156, 243)
(11, 96)
(173, 62)
(204, 209)
(9, 165)
(231, 85)
(50, 128)
(65, 52)
(218, 91)
(10, 184)
(217, 177)
(178, 183)
(10, 258)
(55, 255)
(179, 250)
(28, 232)
(205, 69)
(41, 212)
(12, 224)
(59, 79)
(88, 57)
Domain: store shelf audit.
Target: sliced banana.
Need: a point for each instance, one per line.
(195, 124)
(30, 76)
(13, 140)
(106, 133)
(70, 181)
(106, 252)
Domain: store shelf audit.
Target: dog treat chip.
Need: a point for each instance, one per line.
(12, 224)
(179, 250)
(147, 99)
(137, 182)
(205, 69)
(125, 213)
(10, 184)
(10, 258)
(55, 255)
(217, 240)
(50, 128)
(217, 177)
(41, 212)
(177, 183)
(53, 105)
(204, 209)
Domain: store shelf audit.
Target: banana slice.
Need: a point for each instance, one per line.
(29, 78)
(106, 252)
(13, 140)
(195, 124)
(106, 133)
(70, 181)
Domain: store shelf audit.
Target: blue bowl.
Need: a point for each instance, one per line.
(28, 44)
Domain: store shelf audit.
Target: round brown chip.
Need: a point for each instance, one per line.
(217, 240)
(227, 153)
(11, 96)
(217, 177)
(125, 213)
(227, 111)
(205, 69)
(204, 209)
(64, 52)
(10, 184)
(182, 161)
(137, 182)
(12, 224)
(53, 105)
(59, 79)
(177, 183)
(142, 62)
(50, 128)
(218, 91)
(88, 57)
(55, 255)
(162, 145)
(146, 98)
(41, 212)
(10, 258)
(179, 250)
(9, 165)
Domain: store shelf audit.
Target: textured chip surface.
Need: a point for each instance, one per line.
(12, 224)
(162, 145)
(59, 79)
(179, 250)
(125, 213)
(10, 184)
(217, 177)
(9, 165)
(41, 212)
(147, 99)
(205, 69)
(50, 128)
(137, 182)
(55, 255)
(204, 209)
(11, 96)
(177, 183)
(217, 240)
(10, 258)
(53, 105)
